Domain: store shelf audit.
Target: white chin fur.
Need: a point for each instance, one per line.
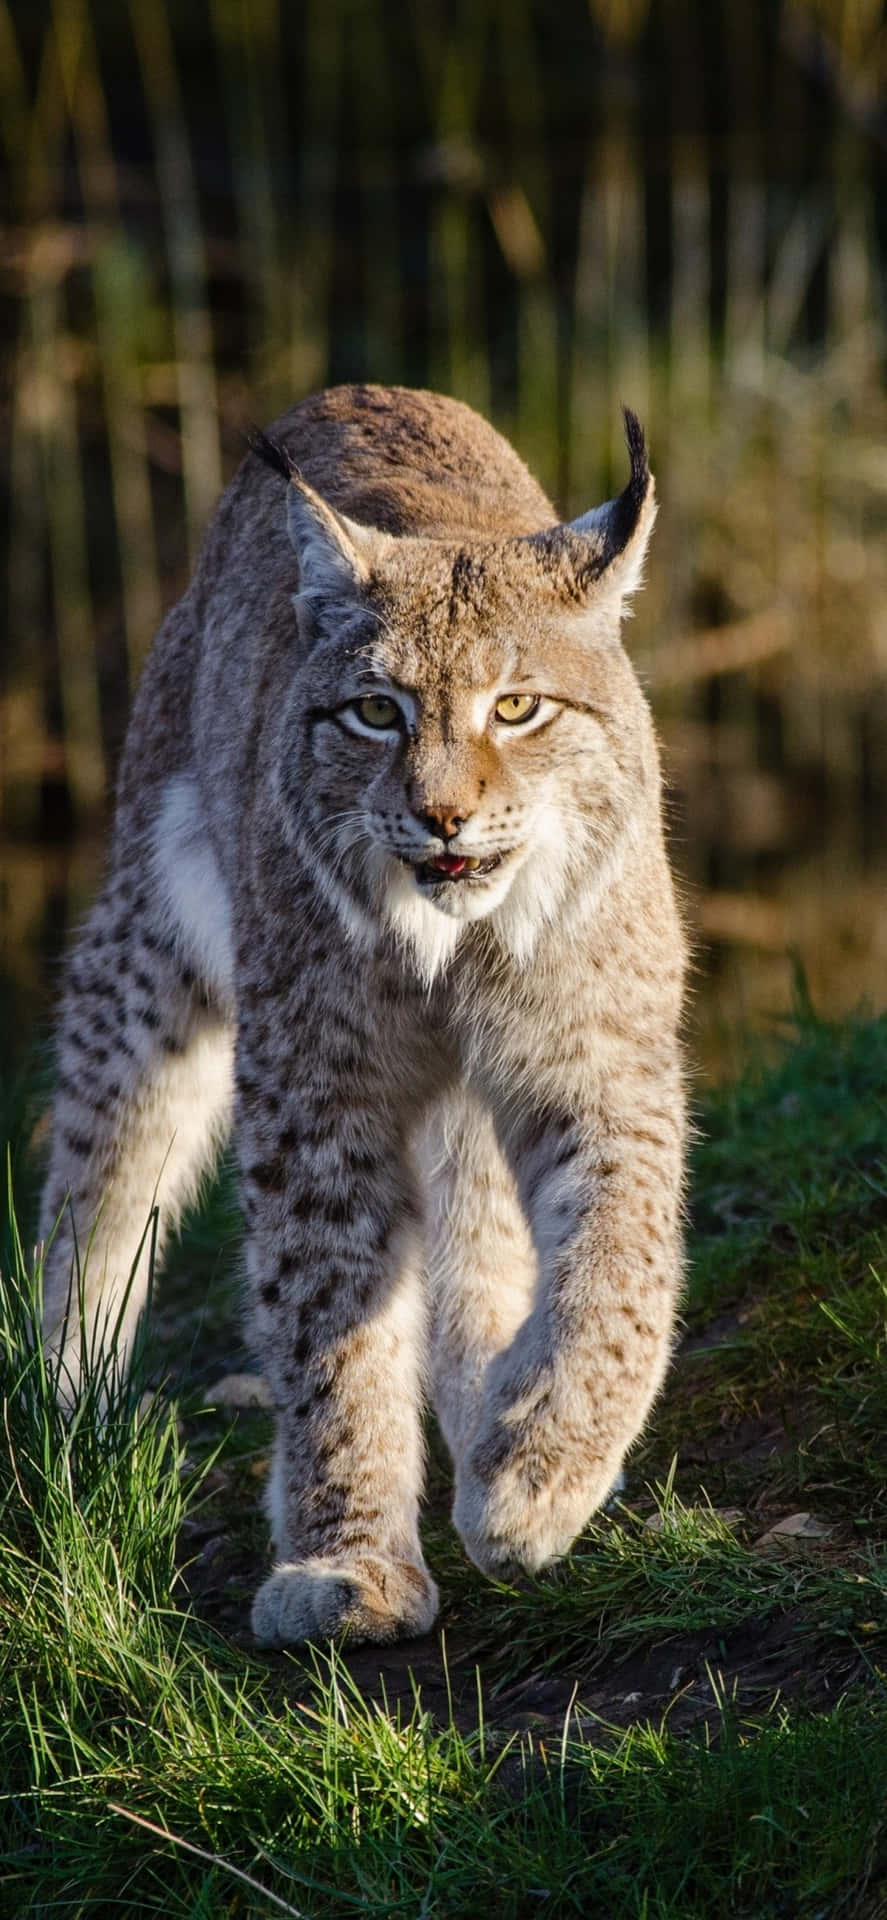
(429, 927)
(518, 899)
(537, 889)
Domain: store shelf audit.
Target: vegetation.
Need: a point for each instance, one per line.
(548, 211)
(687, 1718)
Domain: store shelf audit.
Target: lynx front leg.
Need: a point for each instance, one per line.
(143, 1096)
(335, 1262)
(565, 1402)
(482, 1265)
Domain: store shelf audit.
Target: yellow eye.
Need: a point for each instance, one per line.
(515, 707)
(376, 710)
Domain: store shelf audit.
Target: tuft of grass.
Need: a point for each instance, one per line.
(676, 1578)
(83, 1464)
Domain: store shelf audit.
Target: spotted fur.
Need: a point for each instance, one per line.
(456, 1095)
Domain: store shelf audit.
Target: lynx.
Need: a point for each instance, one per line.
(388, 888)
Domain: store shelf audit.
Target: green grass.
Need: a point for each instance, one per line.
(792, 1162)
(682, 1720)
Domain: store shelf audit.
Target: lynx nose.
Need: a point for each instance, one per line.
(442, 820)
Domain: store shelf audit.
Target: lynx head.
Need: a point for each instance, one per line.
(465, 738)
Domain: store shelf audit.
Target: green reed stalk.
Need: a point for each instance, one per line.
(195, 379)
(116, 295)
(51, 511)
(250, 53)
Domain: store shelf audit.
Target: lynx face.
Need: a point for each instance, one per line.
(458, 750)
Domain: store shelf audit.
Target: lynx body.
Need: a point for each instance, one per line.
(388, 888)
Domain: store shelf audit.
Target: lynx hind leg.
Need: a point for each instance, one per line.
(482, 1264)
(143, 1096)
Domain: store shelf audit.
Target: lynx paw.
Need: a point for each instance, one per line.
(371, 1599)
(510, 1522)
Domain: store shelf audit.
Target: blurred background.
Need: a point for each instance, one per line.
(212, 207)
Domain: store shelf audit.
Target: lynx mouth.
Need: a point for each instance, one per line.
(449, 867)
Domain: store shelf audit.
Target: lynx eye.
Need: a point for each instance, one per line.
(376, 710)
(514, 708)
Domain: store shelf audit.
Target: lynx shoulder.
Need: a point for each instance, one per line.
(388, 893)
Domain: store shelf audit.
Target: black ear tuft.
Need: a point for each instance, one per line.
(637, 453)
(626, 511)
(273, 454)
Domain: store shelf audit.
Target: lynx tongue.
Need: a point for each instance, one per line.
(449, 863)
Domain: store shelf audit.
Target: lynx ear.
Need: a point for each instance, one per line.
(335, 554)
(604, 550)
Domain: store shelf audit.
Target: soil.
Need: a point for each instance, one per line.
(680, 1680)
